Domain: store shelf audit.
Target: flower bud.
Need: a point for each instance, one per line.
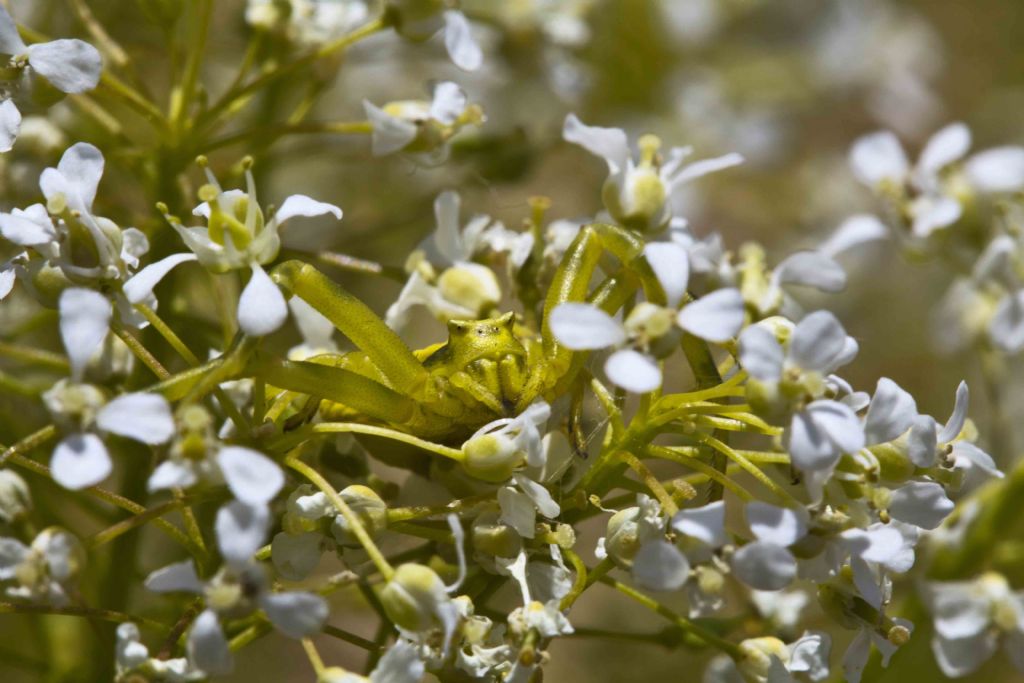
(368, 507)
(636, 197)
(414, 598)
(491, 537)
(15, 499)
(492, 457)
(622, 539)
(471, 286)
(757, 656)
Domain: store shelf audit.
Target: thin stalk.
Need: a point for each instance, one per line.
(27, 444)
(268, 134)
(314, 657)
(78, 611)
(750, 468)
(354, 523)
(140, 351)
(692, 461)
(655, 486)
(27, 354)
(348, 637)
(288, 441)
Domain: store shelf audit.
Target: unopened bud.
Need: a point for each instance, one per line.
(368, 507)
(15, 499)
(413, 596)
(492, 457)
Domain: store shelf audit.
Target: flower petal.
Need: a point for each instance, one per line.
(448, 104)
(705, 167)
(295, 614)
(29, 228)
(610, 144)
(447, 237)
(671, 265)
(390, 133)
(818, 340)
(295, 556)
(1007, 325)
(716, 317)
(10, 40)
(141, 285)
(582, 327)
(252, 477)
(955, 424)
(207, 646)
(241, 530)
(660, 566)
(10, 125)
(77, 176)
(958, 657)
(877, 157)
(633, 371)
(458, 39)
(811, 269)
(706, 523)
(761, 354)
(72, 66)
(997, 170)
(517, 511)
(301, 205)
(84, 320)
(921, 503)
(764, 566)
(891, 412)
(180, 576)
(261, 308)
(140, 416)
(854, 231)
(80, 461)
(780, 526)
(946, 146)
(171, 474)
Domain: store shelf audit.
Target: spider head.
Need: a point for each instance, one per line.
(489, 352)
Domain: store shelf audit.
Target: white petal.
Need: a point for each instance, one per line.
(295, 556)
(997, 170)
(968, 456)
(390, 133)
(252, 477)
(10, 124)
(517, 511)
(77, 176)
(140, 416)
(878, 543)
(890, 413)
(447, 237)
(241, 530)
(7, 278)
(922, 441)
(660, 566)
(706, 523)
(704, 167)
(946, 146)
(810, 653)
(80, 461)
(633, 371)
(761, 354)
(295, 614)
(400, 664)
(301, 205)
(29, 228)
(867, 580)
(764, 566)
(261, 308)
(448, 104)
(811, 269)
(458, 39)
(608, 143)
(962, 656)
(854, 231)
(177, 577)
(171, 474)
(12, 554)
(933, 213)
(207, 648)
(955, 424)
(84, 320)
(818, 435)
(840, 423)
(958, 609)
(716, 317)
(921, 503)
(671, 265)
(72, 66)
(818, 340)
(10, 40)
(1007, 325)
(539, 495)
(780, 526)
(856, 656)
(141, 285)
(583, 327)
(877, 157)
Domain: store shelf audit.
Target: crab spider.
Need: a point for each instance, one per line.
(487, 369)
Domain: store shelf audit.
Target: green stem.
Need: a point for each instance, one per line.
(290, 440)
(77, 611)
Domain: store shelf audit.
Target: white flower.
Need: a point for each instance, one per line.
(463, 290)
(821, 430)
(419, 126)
(240, 585)
(419, 21)
(236, 237)
(132, 658)
(971, 617)
(309, 22)
(70, 65)
(44, 569)
(927, 441)
(856, 656)
(638, 194)
(769, 660)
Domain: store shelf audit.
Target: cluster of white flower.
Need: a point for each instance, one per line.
(793, 481)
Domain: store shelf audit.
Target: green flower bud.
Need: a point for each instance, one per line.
(757, 656)
(492, 537)
(492, 457)
(414, 597)
(15, 499)
(368, 507)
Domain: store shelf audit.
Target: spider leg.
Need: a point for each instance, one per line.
(358, 322)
